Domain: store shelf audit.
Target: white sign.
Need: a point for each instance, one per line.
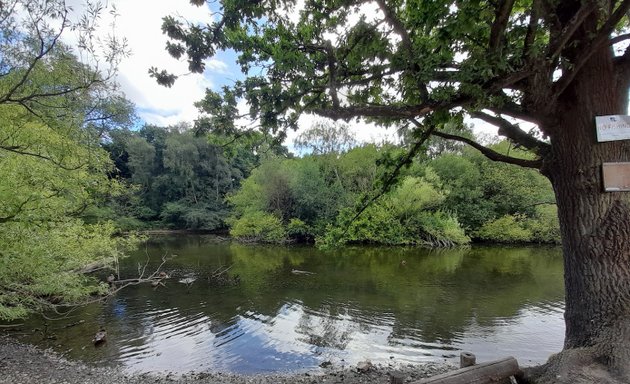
(612, 127)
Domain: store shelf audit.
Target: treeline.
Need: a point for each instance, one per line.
(449, 196)
(176, 178)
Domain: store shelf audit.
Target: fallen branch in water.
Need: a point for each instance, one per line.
(221, 277)
(298, 272)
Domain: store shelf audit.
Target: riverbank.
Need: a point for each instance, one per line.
(26, 364)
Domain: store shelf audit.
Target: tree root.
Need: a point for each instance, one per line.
(574, 366)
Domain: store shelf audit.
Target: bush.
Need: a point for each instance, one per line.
(183, 215)
(380, 225)
(299, 231)
(506, 229)
(440, 229)
(258, 226)
(545, 226)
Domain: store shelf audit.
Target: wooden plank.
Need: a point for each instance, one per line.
(485, 373)
(616, 177)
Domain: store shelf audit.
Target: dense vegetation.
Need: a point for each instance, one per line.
(439, 201)
(53, 111)
(178, 178)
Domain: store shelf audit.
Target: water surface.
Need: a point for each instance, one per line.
(382, 304)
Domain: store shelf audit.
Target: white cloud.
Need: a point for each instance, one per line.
(140, 21)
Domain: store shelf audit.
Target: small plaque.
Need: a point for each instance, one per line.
(616, 177)
(612, 127)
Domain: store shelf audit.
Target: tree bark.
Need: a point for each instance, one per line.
(595, 225)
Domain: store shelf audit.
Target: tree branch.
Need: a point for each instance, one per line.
(20, 151)
(514, 110)
(332, 73)
(387, 111)
(491, 154)
(601, 39)
(556, 46)
(622, 63)
(514, 133)
(620, 38)
(502, 16)
(532, 28)
(396, 24)
(43, 51)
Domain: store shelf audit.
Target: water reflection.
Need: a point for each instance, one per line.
(359, 303)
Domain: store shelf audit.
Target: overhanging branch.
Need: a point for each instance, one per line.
(22, 151)
(407, 159)
(556, 46)
(387, 111)
(491, 154)
(513, 132)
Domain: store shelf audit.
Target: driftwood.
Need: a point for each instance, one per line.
(298, 272)
(497, 371)
(92, 267)
(138, 280)
(220, 277)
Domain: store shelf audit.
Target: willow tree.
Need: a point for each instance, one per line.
(554, 63)
(53, 109)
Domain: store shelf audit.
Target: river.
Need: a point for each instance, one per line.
(291, 308)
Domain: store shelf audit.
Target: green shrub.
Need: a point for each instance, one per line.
(380, 225)
(183, 215)
(545, 226)
(258, 226)
(440, 229)
(299, 230)
(506, 229)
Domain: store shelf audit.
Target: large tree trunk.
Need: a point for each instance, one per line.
(595, 229)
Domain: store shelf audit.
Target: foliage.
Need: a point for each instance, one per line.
(315, 197)
(544, 225)
(258, 226)
(408, 215)
(44, 187)
(299, 230)
(53, 110)
(482, 191)
(325, 138)
(178, 179)
(506, 229)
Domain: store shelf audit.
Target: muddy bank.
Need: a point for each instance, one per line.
(26, 364)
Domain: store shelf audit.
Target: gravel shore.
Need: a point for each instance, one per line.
(26, 364)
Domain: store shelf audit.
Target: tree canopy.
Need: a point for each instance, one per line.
(398, 61)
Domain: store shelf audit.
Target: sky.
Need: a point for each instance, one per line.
(139, 21)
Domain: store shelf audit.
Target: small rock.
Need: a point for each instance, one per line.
(365, 366)
(325, 364)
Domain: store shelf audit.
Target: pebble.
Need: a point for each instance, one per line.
(26, 364)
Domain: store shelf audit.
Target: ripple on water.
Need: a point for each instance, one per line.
(353, 308)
